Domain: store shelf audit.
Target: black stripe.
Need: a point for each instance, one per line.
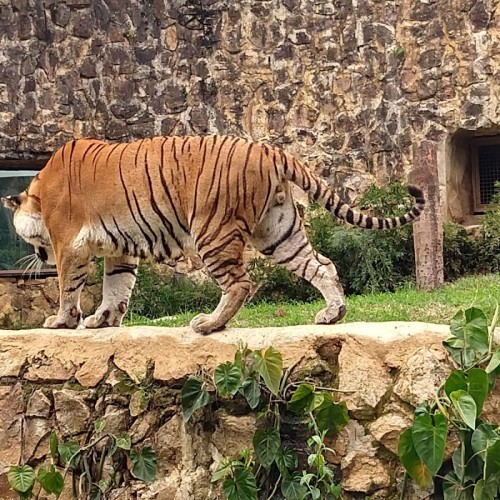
(109, 233)
(79, 277)
(125, 250)
(415, 211)
(96, 157)
(318, 192)
(402, 219)
(381, 223)
(76, 287)
(270, 249)
(394, 222)
(121, 271)
(169, 196)
(200, 170)
(291, 257)
(142, 254)
(154, 204)
(315, 273)
(215, 203)
(222, 244)
(141, 215)
(350, 217)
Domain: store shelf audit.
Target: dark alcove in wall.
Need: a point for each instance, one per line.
(472, 168)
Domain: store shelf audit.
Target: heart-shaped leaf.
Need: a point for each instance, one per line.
(270, 367)
(266, 443)
(241, 485)
(227, 379)
(465, 406)
(429, 438)
(21, 478)
(144, 464)
(193, 396)
(413, 464)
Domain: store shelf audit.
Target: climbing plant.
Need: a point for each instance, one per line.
(86, 463)
(457, 408)
(269, 465)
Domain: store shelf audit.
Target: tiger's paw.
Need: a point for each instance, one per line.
(106, 316)
(204, 324)
(331, 314)
(57, 321)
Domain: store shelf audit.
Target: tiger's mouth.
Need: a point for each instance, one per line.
(45, 254)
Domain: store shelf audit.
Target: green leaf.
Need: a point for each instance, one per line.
(270, 367)
(223, 469)
(474, 382)
(471, 326)
(67, 450)
(227, 379)
(251, 391)
(429, 438)
(315, 493)
(468, 469)
(53, 444)
(242, 486)
(483, 437)
(193, 396)
(286, 460)
(463, 356)
(453, 490)
(99, 425)
(494, 362)
(413, 464)
(266, 443)
(332, 418)
(52, 481)
(124, 442)
(21, 478)
(486, 490)
(492, 460)
(292, 489)
(465, 406)
(144, 464)
(301, 398)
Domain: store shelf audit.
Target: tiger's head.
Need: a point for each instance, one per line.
(29, 223)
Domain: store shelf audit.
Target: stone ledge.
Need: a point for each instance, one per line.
(66, 379)
(56, 356)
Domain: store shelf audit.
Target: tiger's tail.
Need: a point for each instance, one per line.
(322, 193)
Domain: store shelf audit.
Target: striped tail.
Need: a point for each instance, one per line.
(321, 192)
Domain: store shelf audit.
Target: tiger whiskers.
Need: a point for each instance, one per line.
(33, 264)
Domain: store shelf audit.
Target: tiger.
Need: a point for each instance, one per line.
(156, 198)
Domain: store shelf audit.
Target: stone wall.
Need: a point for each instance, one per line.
(67, 380)
(29, 302)
(347, 85)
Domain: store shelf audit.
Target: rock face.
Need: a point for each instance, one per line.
(64, 397)
(348, 86)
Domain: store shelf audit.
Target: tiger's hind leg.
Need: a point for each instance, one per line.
(120, 274)
(224, 260)
(282, 237)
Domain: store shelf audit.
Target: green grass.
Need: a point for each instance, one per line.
(438, 306)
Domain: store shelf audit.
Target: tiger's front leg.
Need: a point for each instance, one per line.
(72, 270)
(120, 274)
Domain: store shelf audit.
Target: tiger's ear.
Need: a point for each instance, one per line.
(11, 202)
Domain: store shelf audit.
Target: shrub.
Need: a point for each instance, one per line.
(158, 294)
(368, 261)
(489, 248)
(459, 251)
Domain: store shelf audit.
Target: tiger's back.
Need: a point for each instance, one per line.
(156, 197)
